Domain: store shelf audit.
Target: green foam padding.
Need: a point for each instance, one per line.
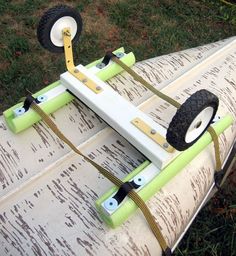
(20, 123)
(128, 207)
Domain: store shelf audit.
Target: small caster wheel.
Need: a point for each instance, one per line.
(52, 23)
(192, 119)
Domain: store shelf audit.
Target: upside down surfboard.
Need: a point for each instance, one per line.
(48, 193)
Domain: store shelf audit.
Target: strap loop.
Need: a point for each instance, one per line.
(28, 101)
(108, 56)
(124, 190)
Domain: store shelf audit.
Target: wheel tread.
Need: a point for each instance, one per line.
(185, 115)
(50, 15)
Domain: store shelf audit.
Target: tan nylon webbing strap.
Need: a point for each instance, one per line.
(216, 146)
(145, 83)
(174, 103)
(132, 194)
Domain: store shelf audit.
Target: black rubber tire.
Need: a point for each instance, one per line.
(48, 20)
(185, 115)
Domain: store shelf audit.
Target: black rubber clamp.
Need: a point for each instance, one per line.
(167, 252)
(124, 190)
(28, 101)
(218, 176)
(108, 57)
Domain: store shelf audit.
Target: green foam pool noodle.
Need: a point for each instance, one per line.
(128, 207)
(20, 123)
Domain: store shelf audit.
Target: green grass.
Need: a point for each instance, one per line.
(214, 230)
(149, 28)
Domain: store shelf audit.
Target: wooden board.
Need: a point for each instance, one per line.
(48, 192)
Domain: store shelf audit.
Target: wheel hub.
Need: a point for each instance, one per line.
(199, 124)
(56, 31)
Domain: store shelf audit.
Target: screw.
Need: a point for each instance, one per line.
(84, 81)
(76, 70)
(98, 88)
(119, 54)
(100, 65)
(153, 131)
(67, 33)
(165, 145)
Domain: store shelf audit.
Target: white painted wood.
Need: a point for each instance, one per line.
(56, 91)
(119, 113)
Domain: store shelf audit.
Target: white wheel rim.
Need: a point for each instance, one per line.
(59, 25)
(199, 124)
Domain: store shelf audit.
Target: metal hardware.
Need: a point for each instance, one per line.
(139, 180)
(120, 55)
(142, 179)
(67, 32)
(101, 65)
(153, 131)
(153, 134)
(70, 63)
(216, 119)
(166, 145)
(18, 111)
(111, 204)
(42, 98)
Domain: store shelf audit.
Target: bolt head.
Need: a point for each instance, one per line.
(76, 70)
(100, 65)
(119, 54)
(67, 33)
(153, 131)
(165, 145)
(98, 88)
(84, 81)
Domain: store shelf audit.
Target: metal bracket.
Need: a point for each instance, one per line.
(153, 134)
(71, 66)
(138, 181)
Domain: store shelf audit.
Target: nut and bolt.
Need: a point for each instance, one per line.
(67, 33)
